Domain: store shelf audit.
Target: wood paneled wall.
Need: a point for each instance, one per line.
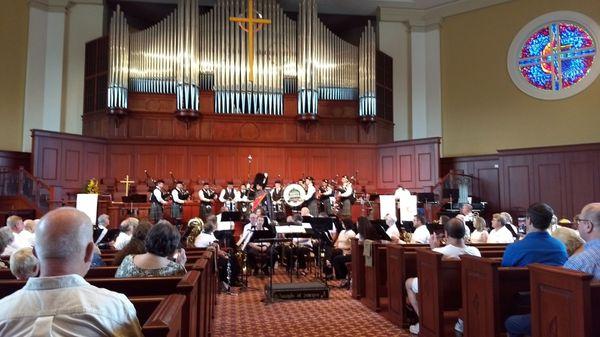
(565, 177)
(68, 161)
(11, 160)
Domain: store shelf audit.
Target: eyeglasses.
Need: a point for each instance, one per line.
(579, 221)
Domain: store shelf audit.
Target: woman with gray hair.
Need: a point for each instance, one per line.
(6, 238)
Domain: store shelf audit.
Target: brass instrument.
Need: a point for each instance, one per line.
(195, 226)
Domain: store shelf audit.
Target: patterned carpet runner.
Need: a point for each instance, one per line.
(340, 315)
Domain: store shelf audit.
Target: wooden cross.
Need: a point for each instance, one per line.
(127, 182)
(250, 29)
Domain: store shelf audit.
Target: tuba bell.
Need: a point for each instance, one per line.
(195, 226)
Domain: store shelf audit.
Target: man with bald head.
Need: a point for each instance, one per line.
(588, 223)
(60, 301)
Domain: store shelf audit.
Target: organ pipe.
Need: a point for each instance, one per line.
(367, 87)
(118, 72)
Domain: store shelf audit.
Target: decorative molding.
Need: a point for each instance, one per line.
(61, 6)
(434, 14)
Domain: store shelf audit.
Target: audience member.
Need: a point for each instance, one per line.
(30, 225)
(455, 246)
(23, 264)
(499, 232)
(588, 225)
(60, 301)
(462, 218)
(392, 230)
(537, 247)
(342, 250)
(570, 238)
(206, 239)
(509, 220)
(127, 227)
(101, 227)
(480, 234)
(22, 238)
(6, 239)
(136, 245)
(161, 244)
(421, 233)
(467, 212)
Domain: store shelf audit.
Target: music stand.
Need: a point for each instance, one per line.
(231, 216)
(321, 228)
(380, 232)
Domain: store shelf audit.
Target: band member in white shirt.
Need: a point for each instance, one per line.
(310, 199)
(421, 234)
(229, 197)
(158, 199)
(277, 197)
(180, 196)
(325, 194)
(206, 198)
(347, 196)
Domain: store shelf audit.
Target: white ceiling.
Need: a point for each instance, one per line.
(355, 7)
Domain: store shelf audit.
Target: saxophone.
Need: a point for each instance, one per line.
(195, 228)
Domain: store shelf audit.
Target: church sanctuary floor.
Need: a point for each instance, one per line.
(340, 315)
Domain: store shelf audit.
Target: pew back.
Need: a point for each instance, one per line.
(562, 302)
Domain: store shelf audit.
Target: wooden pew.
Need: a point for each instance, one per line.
(375, 278)
(564, 302)
(358, 269)
(490, 295)
(439, 293)
(208, 291)
(167, 319)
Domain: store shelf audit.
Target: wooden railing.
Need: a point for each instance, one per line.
(20, 183)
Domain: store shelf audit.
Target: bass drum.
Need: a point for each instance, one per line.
(294, 195)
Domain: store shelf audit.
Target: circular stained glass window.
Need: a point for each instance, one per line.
(555, 56)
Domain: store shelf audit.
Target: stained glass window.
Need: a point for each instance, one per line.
(557, 56)
(554, 55)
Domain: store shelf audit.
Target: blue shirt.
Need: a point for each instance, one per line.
(587, 261)
(536, 247)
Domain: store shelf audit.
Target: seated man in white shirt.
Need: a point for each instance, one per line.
(392, 230)
(455, 246)
(60, 301)
(500, 232)
(421, 233)
(127, 227)
(257, 251)
(102, 227)
(22, 238)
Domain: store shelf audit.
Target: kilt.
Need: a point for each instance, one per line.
(156, 212)
(346, 210)
(176, 211)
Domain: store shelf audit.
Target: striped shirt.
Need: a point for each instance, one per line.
(587, 261)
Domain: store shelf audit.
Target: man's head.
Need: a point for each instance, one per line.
(230, 185)
(205, 185)
(23, 264)
(15, 223)
(211, 224)
(128, 225)
(29, 225)
(498, 221)
(455, 229)
(589, 222)
(466, 209)
(539, 216)
(277, 184)
(418, 220)
(160, 183)
(63, 242)
(507, 217)
(103, 220)
(253, 218)
(6, 238)
(304, 211)
(179, 185)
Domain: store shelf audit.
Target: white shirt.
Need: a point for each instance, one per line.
(421, 235)
(204, 240)
(175, 195)
(21, 240)
(401, 193)
(158, 195)
(453, 251)
(393, 231)
(102, 234)
(66, 306)
(310, 192)
(236, 195)
(122, 240)
(343, 240)
(348, 192)
(501, 235)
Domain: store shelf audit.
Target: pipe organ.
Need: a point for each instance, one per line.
(188, 52)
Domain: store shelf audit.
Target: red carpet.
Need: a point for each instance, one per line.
(340, 315)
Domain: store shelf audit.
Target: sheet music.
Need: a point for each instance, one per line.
(306, 225)
(289, 229)
(225, 226)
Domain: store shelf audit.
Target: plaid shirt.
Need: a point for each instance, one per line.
(587, 261)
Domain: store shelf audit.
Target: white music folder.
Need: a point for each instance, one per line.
(88, 204)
